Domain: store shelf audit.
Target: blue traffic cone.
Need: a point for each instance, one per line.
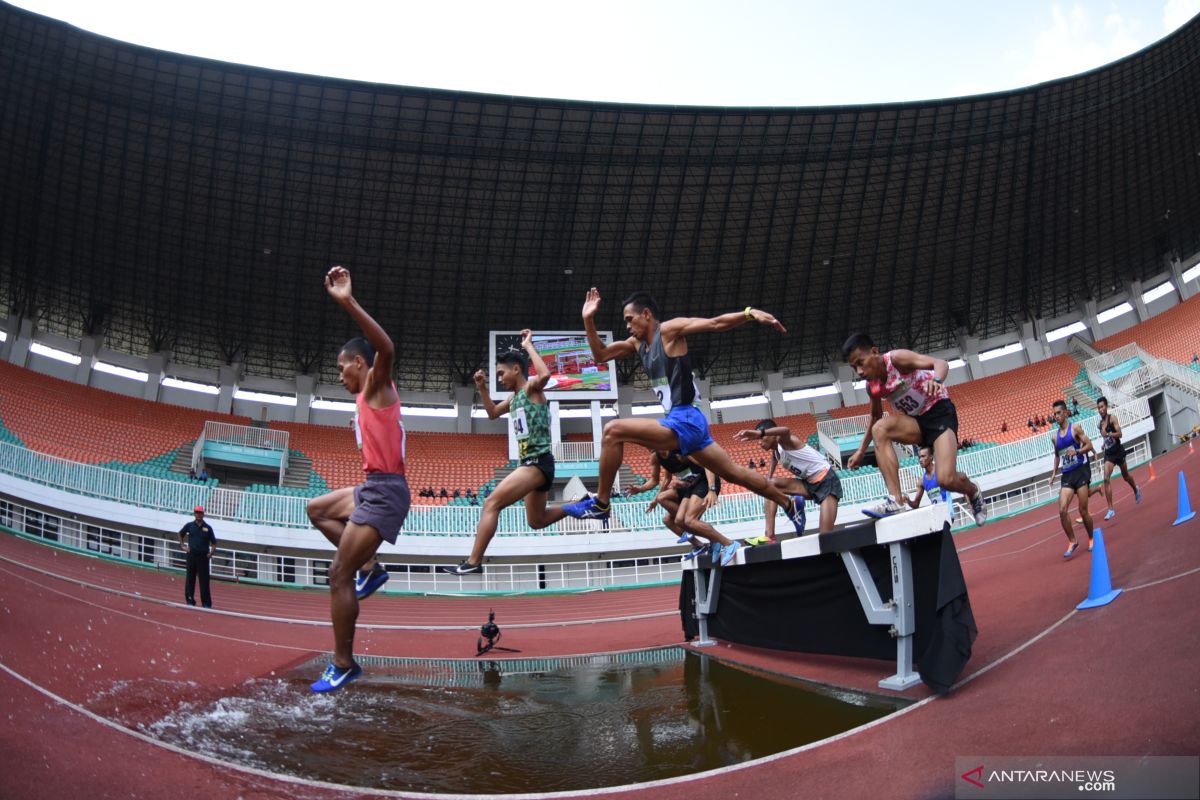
(1100, 592)
(1185, 508)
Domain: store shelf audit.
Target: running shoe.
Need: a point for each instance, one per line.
(334, 677)
(465, 568)
(367, 583)
(796, 515)
(1112, 512)
(887, 508)
(1137, 496)
(759, 540)
(587, 508)
(978, 509)
(696, 551)
(714, 552)
(684, 538)
(729, 551)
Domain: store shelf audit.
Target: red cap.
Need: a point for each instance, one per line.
(198, 510)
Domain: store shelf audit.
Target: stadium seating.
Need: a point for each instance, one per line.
(1174, 334)
(94, 426)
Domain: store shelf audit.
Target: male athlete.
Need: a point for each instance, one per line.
(529, 416)
(1114, 456)
(663, 349)
(915, 386)
(358, 519)
(811, 477)
(685, 492)
(929, 485)
(1071, 446)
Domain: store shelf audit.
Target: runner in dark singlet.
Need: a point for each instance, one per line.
(663, 350)
(685, 491)
(1114, 456)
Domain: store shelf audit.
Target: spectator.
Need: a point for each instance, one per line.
(456, 494)
(444, 492)
(1004, 426)
(192, 473)
(203, 474)
(1195, 358)
(750, 464)
(1032, 427)
(1074, 405)
(762, 463)
(199, 542)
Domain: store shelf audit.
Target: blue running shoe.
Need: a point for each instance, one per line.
(367, 583)
(729, 551)
(334, 677)
(714, 552)
(1137, 496)
(696, 551)
(797, 514)
(587, 509)
(684, 538)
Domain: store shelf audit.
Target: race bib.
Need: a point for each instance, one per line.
(520, 424)
(664, 396)
(907, 399)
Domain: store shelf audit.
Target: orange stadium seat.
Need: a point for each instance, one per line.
(91, 425)
(1174, 334)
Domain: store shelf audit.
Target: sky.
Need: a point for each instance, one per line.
(699, 52)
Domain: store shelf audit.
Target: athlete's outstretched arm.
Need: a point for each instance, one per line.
(907, 361)
(493, 409)
(876, 414)
(541, 372)
(600, 351)
(686, 326)
(337, 283)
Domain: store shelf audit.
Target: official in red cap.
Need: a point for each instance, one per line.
(199, 542)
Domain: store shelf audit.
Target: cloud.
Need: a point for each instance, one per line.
(1075, 42)
(1177, 12)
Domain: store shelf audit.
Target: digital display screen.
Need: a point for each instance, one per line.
(574, 374)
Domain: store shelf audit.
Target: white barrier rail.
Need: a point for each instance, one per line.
(246, 436)
(575, 451)
(844, 426)
(287, 511)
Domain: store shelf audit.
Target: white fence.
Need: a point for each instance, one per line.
(246, 436)
(575, 451)
(285, 511)
(406, 576)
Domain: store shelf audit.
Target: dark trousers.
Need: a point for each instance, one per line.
(197, 566)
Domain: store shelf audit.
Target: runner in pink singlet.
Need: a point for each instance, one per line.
(914, 384)
(356, 520)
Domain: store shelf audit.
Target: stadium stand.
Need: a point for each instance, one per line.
(94, 426)
(1173, 334)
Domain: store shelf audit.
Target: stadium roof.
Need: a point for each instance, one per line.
(173, 202)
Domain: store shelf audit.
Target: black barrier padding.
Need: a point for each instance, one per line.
(763, 552)
(854, 537)
(810, 605)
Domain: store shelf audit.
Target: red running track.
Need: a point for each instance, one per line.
(90, 649)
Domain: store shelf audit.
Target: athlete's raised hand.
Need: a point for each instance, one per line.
(526, 338)
(337, 283)
(480, 378)
(764, 318)
(747, 436)
(592, 303)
